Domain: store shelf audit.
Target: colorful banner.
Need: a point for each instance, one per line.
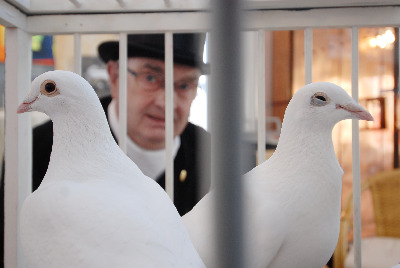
(42, 48)
(2, 43)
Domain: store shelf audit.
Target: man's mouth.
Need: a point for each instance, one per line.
(160, 119)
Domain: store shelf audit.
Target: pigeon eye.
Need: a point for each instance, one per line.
(49, 88)
(320, 99)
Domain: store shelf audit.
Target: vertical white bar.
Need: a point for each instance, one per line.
(250, 60)
(396, 101)
(269, 67)
(123, 57)
(77, 54)
(308, 54)
(226, 150)
(356, 152)
(18, 141)
(261, 97)
(169, 117)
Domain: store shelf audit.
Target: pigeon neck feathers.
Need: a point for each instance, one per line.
(297, 142)
(302, 135)
(307, 130)
(81, 133)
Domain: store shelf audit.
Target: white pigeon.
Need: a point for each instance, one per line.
(291, 201)
(95, 208)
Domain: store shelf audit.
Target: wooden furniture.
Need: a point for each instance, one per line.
(385, 191)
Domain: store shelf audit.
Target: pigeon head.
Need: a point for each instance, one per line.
(56, 91)
(324, 103)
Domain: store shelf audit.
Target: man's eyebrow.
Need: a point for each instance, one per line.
(160, 70)
(154, 68)
(191, 77)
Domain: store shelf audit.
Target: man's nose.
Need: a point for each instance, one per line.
(161, 96)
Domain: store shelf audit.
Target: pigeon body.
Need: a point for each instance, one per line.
(95, 208)
(291, 201)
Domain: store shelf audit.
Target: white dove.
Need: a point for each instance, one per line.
(95, 208)
(291, 201)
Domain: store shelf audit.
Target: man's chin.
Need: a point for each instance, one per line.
(156, 135)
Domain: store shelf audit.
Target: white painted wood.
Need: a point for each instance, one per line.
(24, 5)
(308, 54)
(11, 17)
(261, 97)
(77, 54)
(322, 18)
(250, 56)
(121, 3)
(275, 4)
(76, 3)
(169, 115)
(200, 21)
(356, 152)
(269, 70)
(63, 6)
(18, 140)
(122, 113)
(168, 4)
(115, 23)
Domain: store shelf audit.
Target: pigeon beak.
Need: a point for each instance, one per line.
(25, 106)
(357, 110)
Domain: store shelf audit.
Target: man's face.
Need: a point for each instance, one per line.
(146, 100)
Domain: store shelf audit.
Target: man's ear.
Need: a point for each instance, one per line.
(112, 69)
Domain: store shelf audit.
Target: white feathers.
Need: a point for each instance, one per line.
(95, 208)
(292, 201)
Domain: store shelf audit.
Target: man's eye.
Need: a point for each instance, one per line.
(183, 86)
(186, 85)
(151, 78)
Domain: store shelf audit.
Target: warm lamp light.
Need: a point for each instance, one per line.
(382, 40)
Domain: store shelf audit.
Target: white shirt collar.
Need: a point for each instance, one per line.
(151, 162)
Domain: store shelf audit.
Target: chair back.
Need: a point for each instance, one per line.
(385, 191)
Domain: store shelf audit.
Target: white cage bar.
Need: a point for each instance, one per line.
(356, 151)
(122, 95)
(76, 18)
(18, 139)
(308, 54)
(77, 54)
(169, 114)
(261, 97)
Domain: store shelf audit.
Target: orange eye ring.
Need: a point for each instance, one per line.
(49, 88)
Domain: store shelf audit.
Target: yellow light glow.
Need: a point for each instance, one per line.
(382, 40)
(372, 42)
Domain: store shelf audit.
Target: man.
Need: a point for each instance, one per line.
(146, 114)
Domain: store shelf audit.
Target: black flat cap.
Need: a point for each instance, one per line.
(188, 48)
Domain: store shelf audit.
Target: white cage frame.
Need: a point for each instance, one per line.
(24, 18)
